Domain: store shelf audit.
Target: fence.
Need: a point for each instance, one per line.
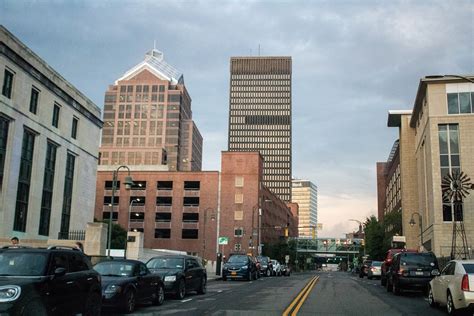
(73, 235)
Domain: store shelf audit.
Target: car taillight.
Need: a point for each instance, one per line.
(402, 272)
(465, 283)
(372, 269)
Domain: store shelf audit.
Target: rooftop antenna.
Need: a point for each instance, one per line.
(259, 50)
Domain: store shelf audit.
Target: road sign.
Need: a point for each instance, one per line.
(223, 240)
(287, 258)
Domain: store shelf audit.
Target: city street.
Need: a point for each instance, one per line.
(335, 293)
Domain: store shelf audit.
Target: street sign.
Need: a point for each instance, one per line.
(287, 259)
(223, 240)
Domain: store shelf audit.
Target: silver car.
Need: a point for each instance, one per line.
(375, 270)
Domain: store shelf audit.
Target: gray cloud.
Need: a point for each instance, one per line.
(352, 61)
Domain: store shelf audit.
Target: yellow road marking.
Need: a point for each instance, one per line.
(300, 295)
(303, 299)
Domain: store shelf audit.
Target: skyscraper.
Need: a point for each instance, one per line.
(305, 193)
(260, 116)
(148, 119)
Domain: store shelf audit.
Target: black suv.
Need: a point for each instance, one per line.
(240, 266)
(411, 270)
(52, 281)
(266, 266)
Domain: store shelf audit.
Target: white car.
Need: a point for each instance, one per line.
(276, 267)
(454, 287)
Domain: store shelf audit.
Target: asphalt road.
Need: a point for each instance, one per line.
(334, 293)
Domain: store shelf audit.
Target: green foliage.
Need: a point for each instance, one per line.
(392, 224)
(119, 235)
(374, 238)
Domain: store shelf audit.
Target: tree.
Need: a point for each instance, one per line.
(392, 225)
(119, 235)
(374, 238)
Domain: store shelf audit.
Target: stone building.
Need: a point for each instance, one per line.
(49, 141)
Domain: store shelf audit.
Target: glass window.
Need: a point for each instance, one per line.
(67, 196)
(74, 127)
(190, 234)
(137, 216)
(48, 184)
(465, 102)
(190, 201)
(165, 185)
(453, 104)
(190, 217)
(7, 84)
(34, 100)
(55, 121)
(164, 201)
(163, 233)
(469, 267)
(106, 216)
(162, 217)
(3, 145)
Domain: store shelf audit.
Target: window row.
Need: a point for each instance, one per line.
(160, 217)
(160, 185)
(7, 90)
(269, 95)
(261, 76)
(238, 123)
(259, 133)
(461, 103)
(263, 141)
(261, 112)
(271, 88)
(140, 88)
(259, 106)
(241, 100)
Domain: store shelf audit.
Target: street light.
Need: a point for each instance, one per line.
(412, 223)
(128, 226)
(128, 185)
(213, 217)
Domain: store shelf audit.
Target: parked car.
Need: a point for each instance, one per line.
(374, 270)
(239, 266)
(180, 274)
(45, 281)
(276, 267)
(285, 270)
(388, 262)
(266, 266)
(127, 282)
(454, 287)
(411, 270)
(364, 268)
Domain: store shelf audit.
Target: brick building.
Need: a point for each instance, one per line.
(184, 210)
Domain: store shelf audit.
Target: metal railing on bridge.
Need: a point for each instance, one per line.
(328, 245)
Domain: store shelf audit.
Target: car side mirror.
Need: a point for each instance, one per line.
(435, 272)
(59, 272)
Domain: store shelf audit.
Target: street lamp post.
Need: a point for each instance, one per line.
(254, 209)
(128, 185)
(412, 223)
(213, 217)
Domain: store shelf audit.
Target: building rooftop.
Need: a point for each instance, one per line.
(394, 117)
(155, 62)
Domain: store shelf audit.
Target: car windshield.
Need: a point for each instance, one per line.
(469, 267)
(109, 268)
(22, 263)
(418, 259)
(165, 263)
(263, 260)
(376, 263)
(238, 259)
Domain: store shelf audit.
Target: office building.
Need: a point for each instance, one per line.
(260, 116)
(148, 119)
(305, 194)
(49, 143)
(435, 139)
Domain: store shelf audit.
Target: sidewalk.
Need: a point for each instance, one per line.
(213, 277)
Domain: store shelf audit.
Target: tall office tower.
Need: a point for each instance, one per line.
(305, 193)
(260, 116)
(148, 119)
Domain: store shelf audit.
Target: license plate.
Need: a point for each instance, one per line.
(419, 273)
(233, 273)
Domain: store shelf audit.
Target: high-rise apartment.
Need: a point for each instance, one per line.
(49, 146)
(305, 194)
(260, 116)
(148, 119)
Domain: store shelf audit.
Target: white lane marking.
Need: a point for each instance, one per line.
(184, 301)
(220, 291)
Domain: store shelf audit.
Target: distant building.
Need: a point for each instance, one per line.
(148, 119)
(435, 139)
(260, 116)
(184, 210)
(305, 194)
(49, 141)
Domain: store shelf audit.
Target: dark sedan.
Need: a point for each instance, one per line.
(180, 273)
(126, 282)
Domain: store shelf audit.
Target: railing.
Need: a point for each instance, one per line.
(72, 235)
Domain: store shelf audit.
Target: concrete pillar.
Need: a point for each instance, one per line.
(96, 239)
(134, 245)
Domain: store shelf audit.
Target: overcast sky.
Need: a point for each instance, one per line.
(352, 62)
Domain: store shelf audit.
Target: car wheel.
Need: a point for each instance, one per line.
(159, 296)
(203, 287)
(450, 305)
(268, 273)
(93, 304)
(34, 308)
(130, 302)
(181, 292)
(431, 299)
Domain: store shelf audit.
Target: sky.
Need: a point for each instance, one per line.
(352, 62)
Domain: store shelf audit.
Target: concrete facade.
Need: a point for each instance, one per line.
(423, 164)
(305, 194)
(31, 73)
